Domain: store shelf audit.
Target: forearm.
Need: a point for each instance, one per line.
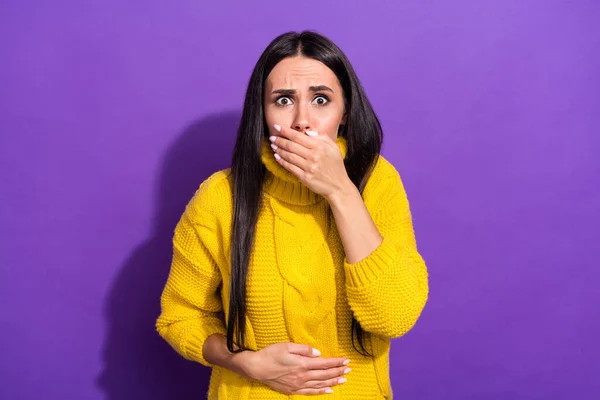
(357, 230)
(216, 352)
(386, 278)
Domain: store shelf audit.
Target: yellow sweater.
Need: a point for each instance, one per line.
(300, 287)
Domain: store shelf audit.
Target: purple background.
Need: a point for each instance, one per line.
(113, 112)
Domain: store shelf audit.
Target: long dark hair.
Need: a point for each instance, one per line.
(362, 132)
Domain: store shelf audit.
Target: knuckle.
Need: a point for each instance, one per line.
(332, 381)
(321, 384)
(295, 383)
(301, 378)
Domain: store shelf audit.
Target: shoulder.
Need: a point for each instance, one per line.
(383, 184)
(384, 169)
(214, 196)
(384, 176)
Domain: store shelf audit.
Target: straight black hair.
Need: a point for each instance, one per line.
(363, 135)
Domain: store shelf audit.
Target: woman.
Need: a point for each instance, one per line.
(306, 243)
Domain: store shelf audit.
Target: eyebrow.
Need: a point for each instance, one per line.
(288, 92)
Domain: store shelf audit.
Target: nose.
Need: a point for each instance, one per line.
(301, 120)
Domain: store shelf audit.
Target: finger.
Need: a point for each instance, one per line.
(326, 374)
(326, 363)
(295, 136)
(321, 136)
(303, 350)
(318, 384)
(291, 147)
(314, 391)
(289, 166)
(292, 158)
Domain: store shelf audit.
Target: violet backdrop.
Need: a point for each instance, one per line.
(113, 112)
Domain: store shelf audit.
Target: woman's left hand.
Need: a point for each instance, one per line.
(315, 160)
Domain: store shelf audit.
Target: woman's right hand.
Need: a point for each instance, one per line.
(292, 368)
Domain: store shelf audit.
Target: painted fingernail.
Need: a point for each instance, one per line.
(347, 370)
(330, 390)
(316, 352)
(273, 146)
(312, 133)
(342, 380)
(277, 156)
(277, 128)
(272, 138)
(346, 362)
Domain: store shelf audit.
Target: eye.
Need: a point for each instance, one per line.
(283, 101)
(321, 100)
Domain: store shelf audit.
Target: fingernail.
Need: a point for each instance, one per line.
(312, 133)
(277, 128)
(346, 362)
(273, 146)
(272, 138)
(342, 380)
(329, 390)
(316, 352)
(347, 370)
(277, 156)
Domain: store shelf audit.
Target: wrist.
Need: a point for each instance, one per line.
(345, 190)
(243, 364)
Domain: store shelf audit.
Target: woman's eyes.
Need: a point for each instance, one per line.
(319, 100)
(324, 99)
(283, 101)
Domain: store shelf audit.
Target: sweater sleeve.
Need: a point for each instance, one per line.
(388, 289)
(190, 301)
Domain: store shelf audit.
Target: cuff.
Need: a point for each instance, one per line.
(197, 337)
(370, 268)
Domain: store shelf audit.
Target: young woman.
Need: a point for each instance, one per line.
(306, 243)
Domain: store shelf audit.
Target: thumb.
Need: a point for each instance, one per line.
(303, 350)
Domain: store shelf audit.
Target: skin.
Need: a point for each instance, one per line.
(316, 110)
(304, 106)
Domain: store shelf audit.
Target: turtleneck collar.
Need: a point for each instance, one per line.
(282, 184)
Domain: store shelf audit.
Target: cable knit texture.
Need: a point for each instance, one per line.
(300, 287)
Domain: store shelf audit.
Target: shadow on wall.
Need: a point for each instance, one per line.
(137, 362)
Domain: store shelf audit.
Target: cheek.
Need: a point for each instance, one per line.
(328, 120)
(276, 115)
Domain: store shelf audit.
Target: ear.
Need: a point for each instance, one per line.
(344, 119)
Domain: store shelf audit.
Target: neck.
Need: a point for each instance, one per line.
(282, 184)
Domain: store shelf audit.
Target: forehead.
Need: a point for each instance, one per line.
(299, 73)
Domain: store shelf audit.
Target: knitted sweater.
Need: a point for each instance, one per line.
(300, 287)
